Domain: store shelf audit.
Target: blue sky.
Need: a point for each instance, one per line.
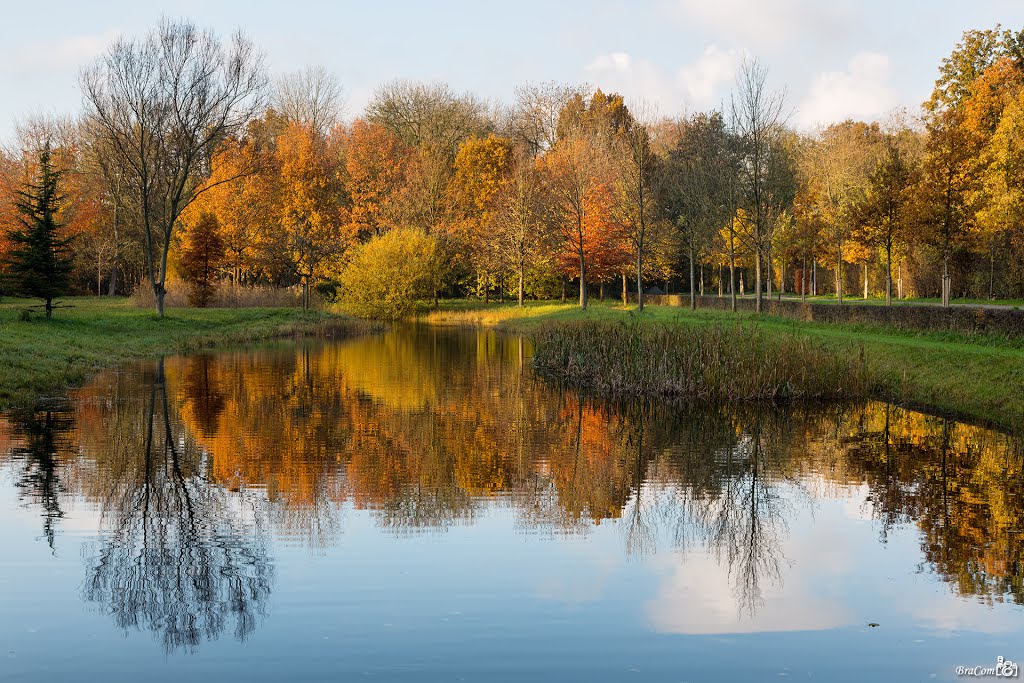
(857, 58)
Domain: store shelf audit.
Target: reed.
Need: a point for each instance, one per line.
(714, 362)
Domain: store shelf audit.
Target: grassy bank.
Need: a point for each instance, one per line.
(40, 358)
(973, 377)
(633, 359)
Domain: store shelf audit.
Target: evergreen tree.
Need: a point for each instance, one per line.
(39, 262)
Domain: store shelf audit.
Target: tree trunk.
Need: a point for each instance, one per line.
(625, 289)
(839, 274)
(945, 282)
(782, 281)
(639, 283)
(702, 279)
(693, 294)
(487, 293)
(522, 278)
(803, 280)
(564, 285)
(899, 280)
(732, 281)
(159, 292)
(888, 276)
(768, 264)
(757, 282)
(600, 291)
(814, 278)
(583, 282)
(865, 281)
(720, 280)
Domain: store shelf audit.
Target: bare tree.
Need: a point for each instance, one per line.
(758, 116)
(312, 97)
(537, 108)
(161, 105)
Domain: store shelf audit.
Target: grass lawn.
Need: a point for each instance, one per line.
(42, 358)
(972, 377)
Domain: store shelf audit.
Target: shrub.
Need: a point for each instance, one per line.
(387, 276)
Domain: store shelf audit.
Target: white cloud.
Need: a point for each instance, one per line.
(766, 24)
(694, 86)
(863, 91)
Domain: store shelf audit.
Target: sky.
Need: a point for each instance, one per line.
(834, 59)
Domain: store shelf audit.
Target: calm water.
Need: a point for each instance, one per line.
(416, 506)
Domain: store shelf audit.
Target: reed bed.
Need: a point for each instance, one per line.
(714, 362)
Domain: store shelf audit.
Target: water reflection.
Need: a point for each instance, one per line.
(197, 464)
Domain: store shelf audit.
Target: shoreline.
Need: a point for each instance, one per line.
(41, 361)
(973, 378)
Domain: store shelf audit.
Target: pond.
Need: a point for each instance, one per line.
(417, 505)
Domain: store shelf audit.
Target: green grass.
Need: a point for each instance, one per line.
(41, 359)
(971, 377)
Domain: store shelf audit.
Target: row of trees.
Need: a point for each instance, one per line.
(187, 163)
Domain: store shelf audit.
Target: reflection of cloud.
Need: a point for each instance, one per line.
(860, 92)
(951, 614)
(698, 596)
(694, 86)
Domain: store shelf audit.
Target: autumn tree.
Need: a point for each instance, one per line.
(576, 172)
(201, 259)
(888, 197)
(482, 167)
(311, 209)
(162, 105)
(375, 161)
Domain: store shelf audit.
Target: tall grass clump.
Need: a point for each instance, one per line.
(715, 362)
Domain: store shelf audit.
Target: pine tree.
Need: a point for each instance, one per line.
(39, 262)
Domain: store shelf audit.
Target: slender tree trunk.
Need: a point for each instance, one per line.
(992, 271)
(839, 273)
(945, 281)
(757, 281)
(865, 281)
(522, 279)
(639, 282)
(600, 291)
(583, 282)
(814, 278)
(899, 280)
(888, 276)
(803, 278)
(732, 281)
(564, 285)
(782, 280)
(625, 290)
(702, 279)
(768, 265)
(693, 294)
(720, 273)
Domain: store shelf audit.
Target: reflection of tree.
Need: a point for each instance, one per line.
(312, 427)
(180, 556)
(42, 436)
